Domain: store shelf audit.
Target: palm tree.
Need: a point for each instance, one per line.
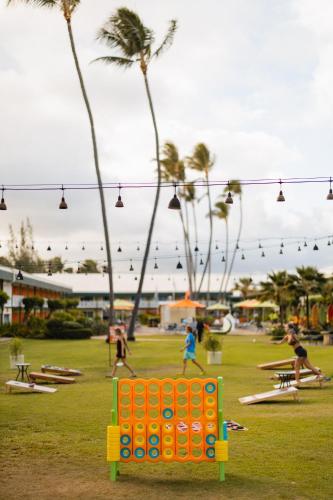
(221, 212)
(202, 161)
(308, 281)
(244, 286)
(67, 8)
(173, 170)
(125, 31)
(278, 288)
(188, 193)
(235, 188)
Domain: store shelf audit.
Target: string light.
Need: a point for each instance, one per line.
(3, 205)
(19, 275)
(280, 196)
(330, 192)
(63, 204)
(174, 203)
(229, 199)
(315, 247)
(179, 265)
(49, 248)
(119, 203)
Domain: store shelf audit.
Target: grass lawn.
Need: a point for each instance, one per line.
(54, 445)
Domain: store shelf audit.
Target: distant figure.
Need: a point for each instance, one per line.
(200, 329)
(189, 349)
(121, 352)
(301, 353)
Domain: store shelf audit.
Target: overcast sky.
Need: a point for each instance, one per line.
(253, 79)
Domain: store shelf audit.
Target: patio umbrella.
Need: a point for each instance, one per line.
(187, 304)
(123, 305)
(218, 307)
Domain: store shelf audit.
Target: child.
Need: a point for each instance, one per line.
(121, 352)
(189, 349)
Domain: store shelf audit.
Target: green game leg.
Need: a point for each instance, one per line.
(113, 471)
(221, 471)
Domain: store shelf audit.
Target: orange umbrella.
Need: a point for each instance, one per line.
(187, 303)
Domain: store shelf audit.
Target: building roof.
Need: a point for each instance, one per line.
(35, 280)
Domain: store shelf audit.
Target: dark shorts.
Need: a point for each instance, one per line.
(301, 352)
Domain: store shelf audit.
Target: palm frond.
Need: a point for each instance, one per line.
(168, 39)
(38, 3)
(201, 159)
(234, 186)
(119, 61)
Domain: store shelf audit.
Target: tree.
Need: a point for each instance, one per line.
(221, 212)
(56, 265)
(4, 297)
(235, 188)
(89, 266)
(54, 305)
(125, 32)
(202, 161)
(308, 281)
(4, 261)
(22, 252)
(278, 288)
(244, 286)
(67, 8)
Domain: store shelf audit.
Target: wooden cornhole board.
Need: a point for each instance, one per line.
(305, 380)
(291, 373)
(48, 377)
(11, 384)
(58, 370)
(276, 364)
(264, 396)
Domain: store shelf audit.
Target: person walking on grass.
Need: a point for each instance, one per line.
(301, 353)
(121, 353)
(189, 350)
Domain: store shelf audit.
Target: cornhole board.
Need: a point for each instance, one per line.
(305, 380)
(11, 384)
(303, 373)
(264, 396)
(276, 364)
(58, 370)
(48, 377)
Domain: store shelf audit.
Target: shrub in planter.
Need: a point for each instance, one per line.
(15, 349)
(213, 347)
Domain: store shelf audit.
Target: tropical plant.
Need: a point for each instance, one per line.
(221, 212)
(202, 161)
(244, 286)
(15, 347)
(22, 253)
(67, 8)
(4, 297)
(308, 281)
(235, 188)
(125, 32)
(278, 288)
(212, 344)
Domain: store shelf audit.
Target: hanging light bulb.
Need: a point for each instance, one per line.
(243, 257)
(119, 249)
(102, 248)
(201, 262)
(83, 247)
(32, 247)
(136, 278)
(259, 246)
(49, 272)
(138, 248)
(315, 247)
(66, 247)
(328, 243)
(237, 246)
(176, 248)
(281, 196)
(299, 249)
(179, 265)
(281, 251)
(119, 203)
(174, 203)
(305, 244)
(196, 249)
(155, 265)
(3, 205)
(282, 245)
(216, 247)
(229, 199)
(19, 276)
(63, 204)
(223, 258)
(330, 193)
(49, 248)
(156, 248)
(131, 267)
(262, 254)
(78, 268)
(16, 245)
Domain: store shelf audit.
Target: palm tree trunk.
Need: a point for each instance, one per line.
(195, 267)
(131, 328)
(186, 245)
(226, 258)
(190, 256)
(99, 179)
(208, 260)
(307, 304)
(237, 242)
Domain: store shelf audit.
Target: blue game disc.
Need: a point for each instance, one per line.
(154, 439)
(125, 452)
(210, 452)
(210, 439)
(210, 387)
(139, 453)
(167, 413)
(125, 439)
(154, 452)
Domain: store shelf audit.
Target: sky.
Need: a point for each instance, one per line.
(253, 80)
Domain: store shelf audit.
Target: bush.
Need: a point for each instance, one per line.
(62, 316)
(100, 327)
(57, 329)
(35, 328)
(211, 344)
(149, 319)
(277, 333)
(14, 330)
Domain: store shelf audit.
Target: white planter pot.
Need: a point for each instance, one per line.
(15, 359)
(214, 358)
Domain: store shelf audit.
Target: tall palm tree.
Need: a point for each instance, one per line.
(188, 193)
(235, 188)
(67, 8)
(244, 286)
(221, 212)
(173, 170)
(202, 161)
(308, 281)
(125, 32)
(278, 288)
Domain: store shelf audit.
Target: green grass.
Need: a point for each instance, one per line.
(54, 445)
